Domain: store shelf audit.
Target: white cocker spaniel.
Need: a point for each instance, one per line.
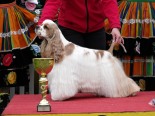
(79, 69)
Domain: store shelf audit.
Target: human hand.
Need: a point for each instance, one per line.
(117, 36)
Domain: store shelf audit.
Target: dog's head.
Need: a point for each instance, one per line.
(46, 30)
(51, 45)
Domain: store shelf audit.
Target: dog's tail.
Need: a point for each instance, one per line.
(113, 44)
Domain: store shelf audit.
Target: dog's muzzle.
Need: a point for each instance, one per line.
(36, 28)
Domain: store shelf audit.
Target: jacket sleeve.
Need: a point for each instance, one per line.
(50, 10)
(110, 9)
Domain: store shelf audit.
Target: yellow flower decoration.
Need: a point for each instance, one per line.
(12, 77)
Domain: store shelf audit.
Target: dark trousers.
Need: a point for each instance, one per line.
(94, 40)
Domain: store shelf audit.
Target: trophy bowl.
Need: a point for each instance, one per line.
(43, 66)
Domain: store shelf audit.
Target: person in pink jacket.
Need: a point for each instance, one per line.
(81, 21)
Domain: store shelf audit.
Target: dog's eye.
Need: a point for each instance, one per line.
(46, 27)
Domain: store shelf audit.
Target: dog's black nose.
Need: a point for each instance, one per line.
(37, 27)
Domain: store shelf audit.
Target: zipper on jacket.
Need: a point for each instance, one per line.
(87, 15)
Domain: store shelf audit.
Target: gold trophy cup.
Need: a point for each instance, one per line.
(43, 66)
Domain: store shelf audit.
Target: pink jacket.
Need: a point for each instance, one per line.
(82, 15)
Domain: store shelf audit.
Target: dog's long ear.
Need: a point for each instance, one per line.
(57, 45)
(42, 47)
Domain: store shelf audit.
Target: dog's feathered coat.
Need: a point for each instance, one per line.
(79, 69)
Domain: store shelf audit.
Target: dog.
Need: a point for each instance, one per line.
(80, 69)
